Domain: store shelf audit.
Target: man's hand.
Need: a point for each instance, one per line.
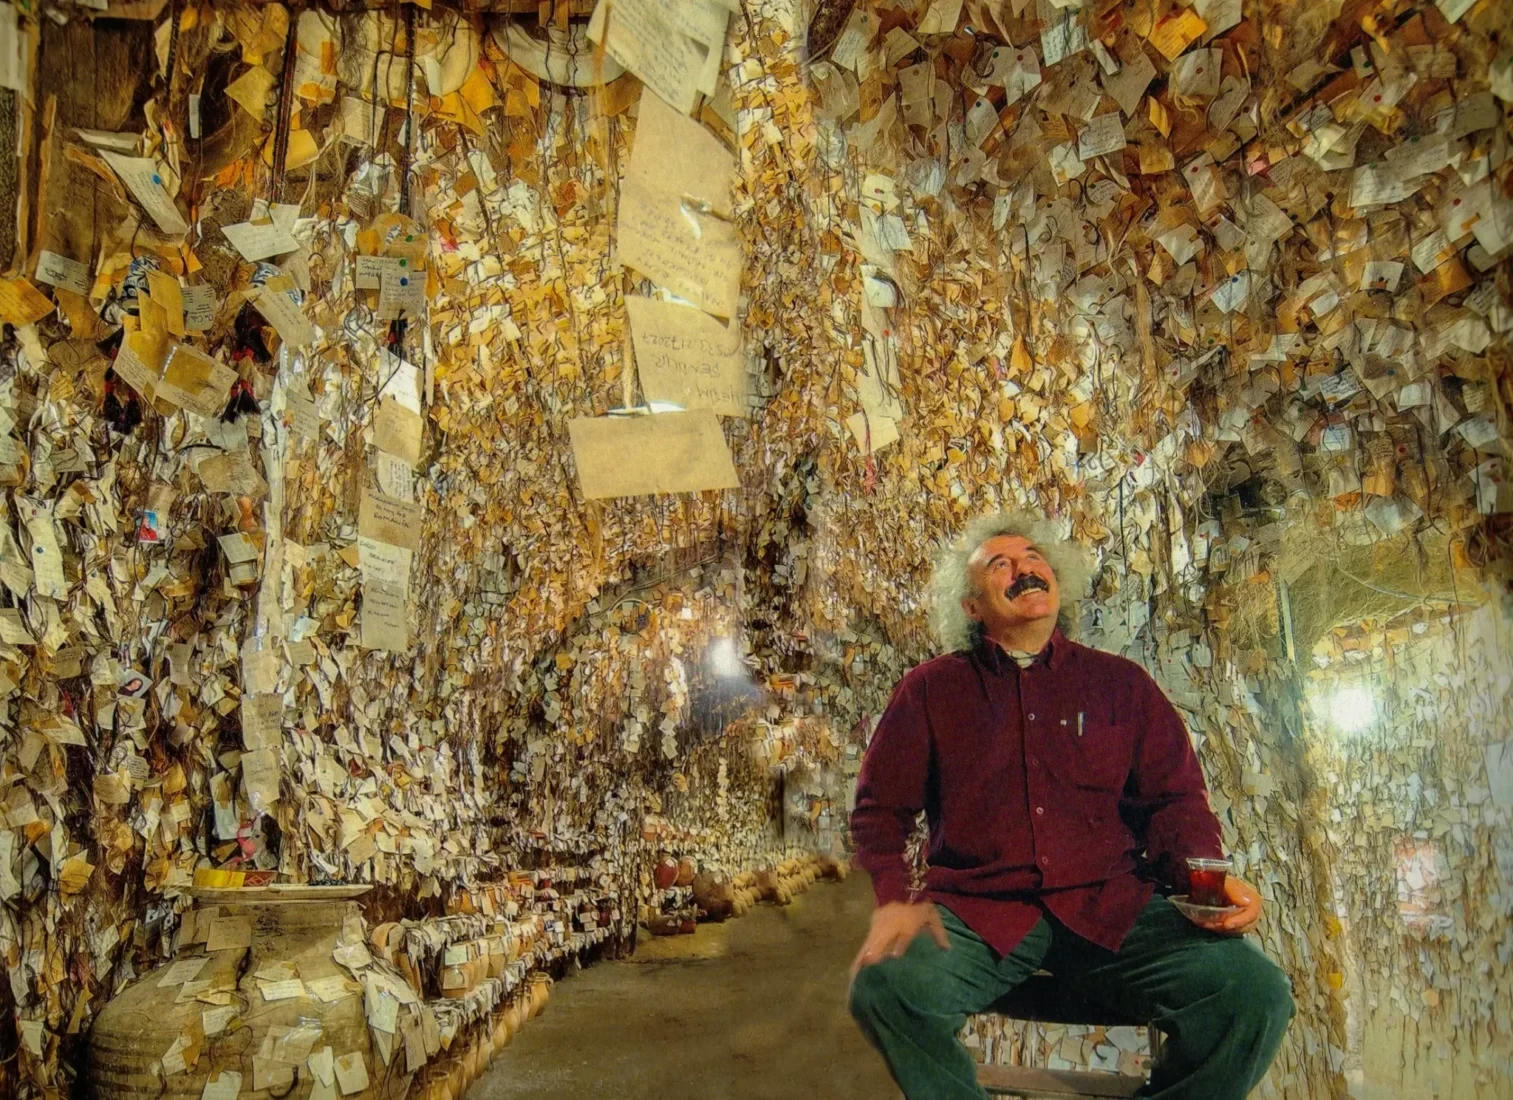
(894, 927)
(1236, 892)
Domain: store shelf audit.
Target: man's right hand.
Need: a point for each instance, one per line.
(894, 927)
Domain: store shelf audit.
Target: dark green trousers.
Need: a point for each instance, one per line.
(1221, 1003)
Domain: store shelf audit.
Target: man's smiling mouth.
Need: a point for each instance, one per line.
(1025, 584)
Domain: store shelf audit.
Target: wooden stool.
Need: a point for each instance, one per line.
(1045, 1000)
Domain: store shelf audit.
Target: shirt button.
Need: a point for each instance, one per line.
(1032, 718)
(1040, 809)
(1044, 860)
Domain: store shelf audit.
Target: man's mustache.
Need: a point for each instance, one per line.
(1024, 584)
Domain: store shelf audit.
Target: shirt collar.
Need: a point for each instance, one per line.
(1052, 656)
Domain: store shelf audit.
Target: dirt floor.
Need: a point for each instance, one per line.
(754, 1009)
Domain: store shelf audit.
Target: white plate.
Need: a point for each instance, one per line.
(1203, 912)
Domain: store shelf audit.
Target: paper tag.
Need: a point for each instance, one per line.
(143, 178)
(401, 293)
(287, 318)
(395, 477)
(21, 303)
(194, 381)
(258, 241)
(352, 1073)
(199, 307)
(370, 270)
(60, 271)
(194, 115)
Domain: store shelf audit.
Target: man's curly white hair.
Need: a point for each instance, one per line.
(950, 584)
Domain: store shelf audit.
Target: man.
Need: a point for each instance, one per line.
(1060, 788)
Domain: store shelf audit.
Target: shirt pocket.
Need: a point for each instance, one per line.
(1094, 752)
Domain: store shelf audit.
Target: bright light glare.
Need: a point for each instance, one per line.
(1352, 708)
(725, 659)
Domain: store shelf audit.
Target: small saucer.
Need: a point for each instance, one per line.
(1202, 912)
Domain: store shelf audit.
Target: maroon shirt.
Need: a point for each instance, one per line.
(1066, 786)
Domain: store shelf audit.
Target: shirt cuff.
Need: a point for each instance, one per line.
(890, 887)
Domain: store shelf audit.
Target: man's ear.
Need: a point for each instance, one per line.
(969, 605)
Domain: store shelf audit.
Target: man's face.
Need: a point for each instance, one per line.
(1013, 584)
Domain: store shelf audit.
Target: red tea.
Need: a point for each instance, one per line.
(1207, 887)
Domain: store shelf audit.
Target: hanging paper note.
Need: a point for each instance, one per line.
(21, 303)
(673, 210)
(60, 271)
(144, 179)
(274, 303)
(194, 381)
(680, 452)
(642, 36)
(687, 358)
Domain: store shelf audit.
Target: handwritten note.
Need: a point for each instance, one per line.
(680, 452)
(259, 240)
(371, 269)
(397, 430)
(1104, 135)
(231, 473)
(199, 307)
(395, 477)
(384, 563)
(46, 557)
(386, 519)
(693, 254)
(274, 303)
(262, 720)
(194, 381)
(143, 177)
(60, 271)
(229, 933)
(385, 618)
(21, 303)
(401, 293)
(687, 358)
(640, 35)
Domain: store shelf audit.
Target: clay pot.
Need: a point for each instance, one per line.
(666, 873)
(541, 991)
(687, 871)
(715, 897)
(139, 1024)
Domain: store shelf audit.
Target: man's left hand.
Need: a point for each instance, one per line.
(1240, 893)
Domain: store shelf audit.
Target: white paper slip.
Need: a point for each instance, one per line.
(143, 178)
(282, 991)
(370, 270)
(60, 271)
(182, 971)
(352, 1073)
(108, 139)
(287, 318)
(199, 307)
(259, 240)
(227, 1085)
(215, 1020)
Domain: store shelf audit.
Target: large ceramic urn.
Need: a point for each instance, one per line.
(256, 990)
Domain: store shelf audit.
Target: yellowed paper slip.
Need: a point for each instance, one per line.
(194, 381)
(673, 154)
(395, 522)
(687, 358)
(385, 618)
(640, 35)
(695, 255)
(397, 430)
(681, 452)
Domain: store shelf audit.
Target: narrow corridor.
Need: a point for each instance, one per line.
(764, 1019)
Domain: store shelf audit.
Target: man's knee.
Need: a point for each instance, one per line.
(872, 994)
(1261, 993)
